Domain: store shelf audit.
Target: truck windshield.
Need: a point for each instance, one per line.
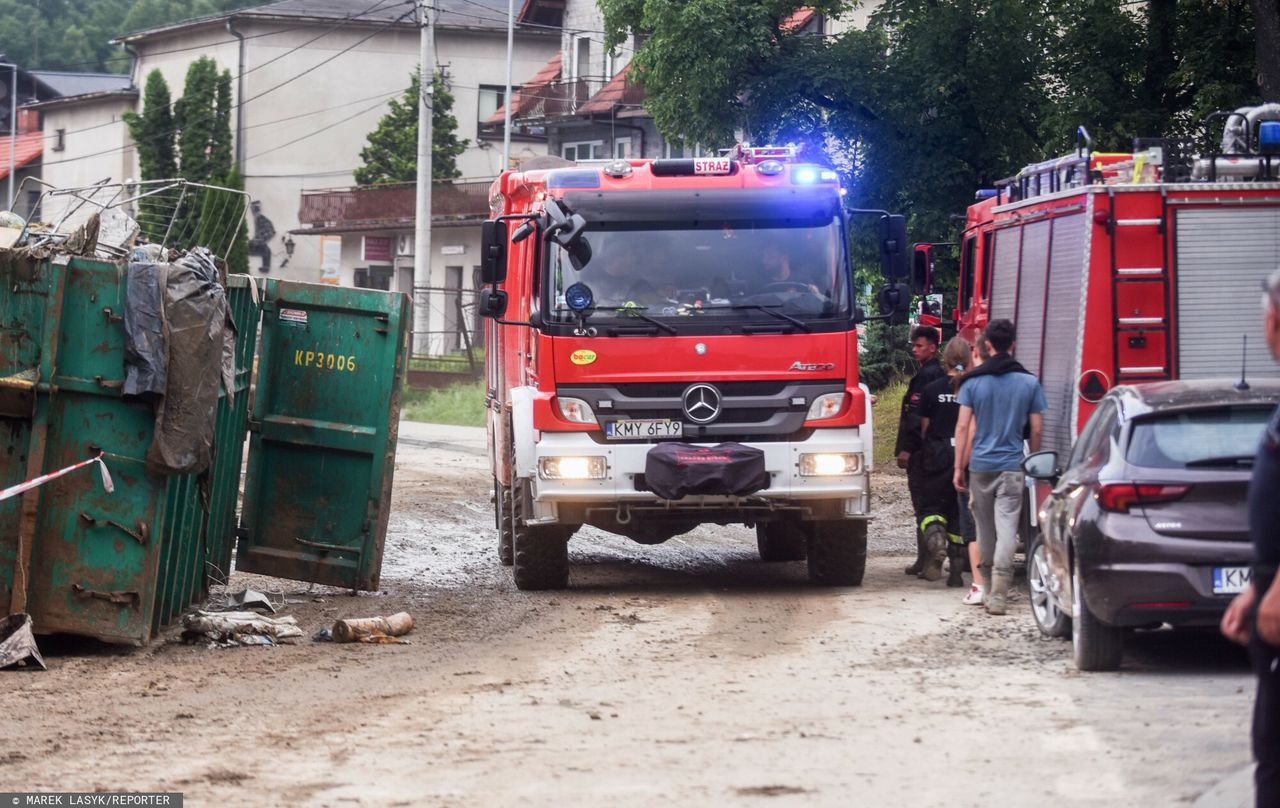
(733, 271)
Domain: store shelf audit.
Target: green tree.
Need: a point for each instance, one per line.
(392, 153)
(153, 132)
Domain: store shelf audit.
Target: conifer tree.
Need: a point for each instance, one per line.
(153, 138)
(392, 153)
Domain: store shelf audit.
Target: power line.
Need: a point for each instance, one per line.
(377, 6)
(242, 102)
(315, 132)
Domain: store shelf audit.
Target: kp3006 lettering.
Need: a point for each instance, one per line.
(324, 361)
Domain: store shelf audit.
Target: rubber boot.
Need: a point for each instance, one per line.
(998, 594)
(956, 556)
(915, 568)
(935, 547)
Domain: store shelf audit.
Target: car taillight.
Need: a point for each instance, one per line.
(1120, 497)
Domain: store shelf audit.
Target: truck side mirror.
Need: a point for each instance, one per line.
(493, 302)
(493, 251)
(922, 269)
(893, 247)
(894, 300)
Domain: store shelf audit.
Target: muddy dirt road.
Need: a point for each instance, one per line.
(689, 673)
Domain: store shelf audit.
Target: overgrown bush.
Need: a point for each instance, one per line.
(887, 354)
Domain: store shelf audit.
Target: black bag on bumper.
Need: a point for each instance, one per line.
(675, 470)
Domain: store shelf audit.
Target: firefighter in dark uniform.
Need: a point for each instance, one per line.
(924, 349)
(939, 410)
(1253, 619)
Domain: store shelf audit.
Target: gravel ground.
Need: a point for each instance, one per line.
(685, 673)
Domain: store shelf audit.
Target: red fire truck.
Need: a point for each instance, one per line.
(1123, 268)
(672, 343)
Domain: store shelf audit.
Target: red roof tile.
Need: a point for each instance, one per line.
(609, 96)
(549, 73)
(798, 20)
(28, 149)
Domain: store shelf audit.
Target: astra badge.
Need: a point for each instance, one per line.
(812, 366)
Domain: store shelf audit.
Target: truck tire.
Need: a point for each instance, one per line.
(780, 541)
(502, 517)
(837, 552)
(540, 557)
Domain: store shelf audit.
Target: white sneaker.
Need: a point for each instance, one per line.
(975, 596)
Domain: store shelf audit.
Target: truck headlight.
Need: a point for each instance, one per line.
(825, 406)
(572, 468)
(830, 464)
(576, 410)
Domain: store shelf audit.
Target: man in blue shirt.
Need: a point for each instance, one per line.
(1000, 401)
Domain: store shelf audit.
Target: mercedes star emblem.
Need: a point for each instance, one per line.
(701, 403)
(700, 349)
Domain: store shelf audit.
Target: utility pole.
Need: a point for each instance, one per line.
(13, 130)
(506, 98)
(422, 217)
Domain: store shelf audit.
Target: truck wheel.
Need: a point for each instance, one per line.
(780, 541)
(837, 552)
(540, 552)
(1096, 646)
(502, 516)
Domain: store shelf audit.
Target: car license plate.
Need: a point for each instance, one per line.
(643, 429)
(1230, 580)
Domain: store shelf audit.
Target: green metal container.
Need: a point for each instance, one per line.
(119, 566)
(322, 448)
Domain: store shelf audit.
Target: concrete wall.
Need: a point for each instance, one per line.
(308, 133)
(95, 143)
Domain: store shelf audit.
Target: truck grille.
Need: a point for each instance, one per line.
(756, 410)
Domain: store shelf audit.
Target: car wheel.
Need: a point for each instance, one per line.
(780, 541)
(837, 552)
(1049, 617)
(540, 553)
(502, 512)
(1096, 645)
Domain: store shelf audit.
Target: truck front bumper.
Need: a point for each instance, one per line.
(846, 495)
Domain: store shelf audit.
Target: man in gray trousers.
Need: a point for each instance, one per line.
(1000, 402)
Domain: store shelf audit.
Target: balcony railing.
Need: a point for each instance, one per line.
(393, 204)
(557, 99)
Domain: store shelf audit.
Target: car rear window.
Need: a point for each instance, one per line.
(1175, 439)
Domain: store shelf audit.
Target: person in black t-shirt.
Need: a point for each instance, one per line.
(939, 507)
(1253, 619)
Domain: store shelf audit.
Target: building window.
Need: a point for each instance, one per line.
(582, 60)
(375, 277)
(622, 148)
(492, 97)
(588, 150)
(60, 140)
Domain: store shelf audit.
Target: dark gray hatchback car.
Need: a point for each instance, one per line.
(1147, 522)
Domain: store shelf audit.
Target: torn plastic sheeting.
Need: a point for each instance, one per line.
(17, 642)
(199, 338)
(144, 345)
(239, 628)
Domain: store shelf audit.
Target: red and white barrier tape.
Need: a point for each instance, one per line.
(107, 484)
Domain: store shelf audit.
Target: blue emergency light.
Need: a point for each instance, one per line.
(1269, 137)
(808, 175)
(578, 297)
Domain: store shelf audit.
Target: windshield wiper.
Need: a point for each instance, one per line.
(636, 312)
(1224, 460)
(767, 309)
